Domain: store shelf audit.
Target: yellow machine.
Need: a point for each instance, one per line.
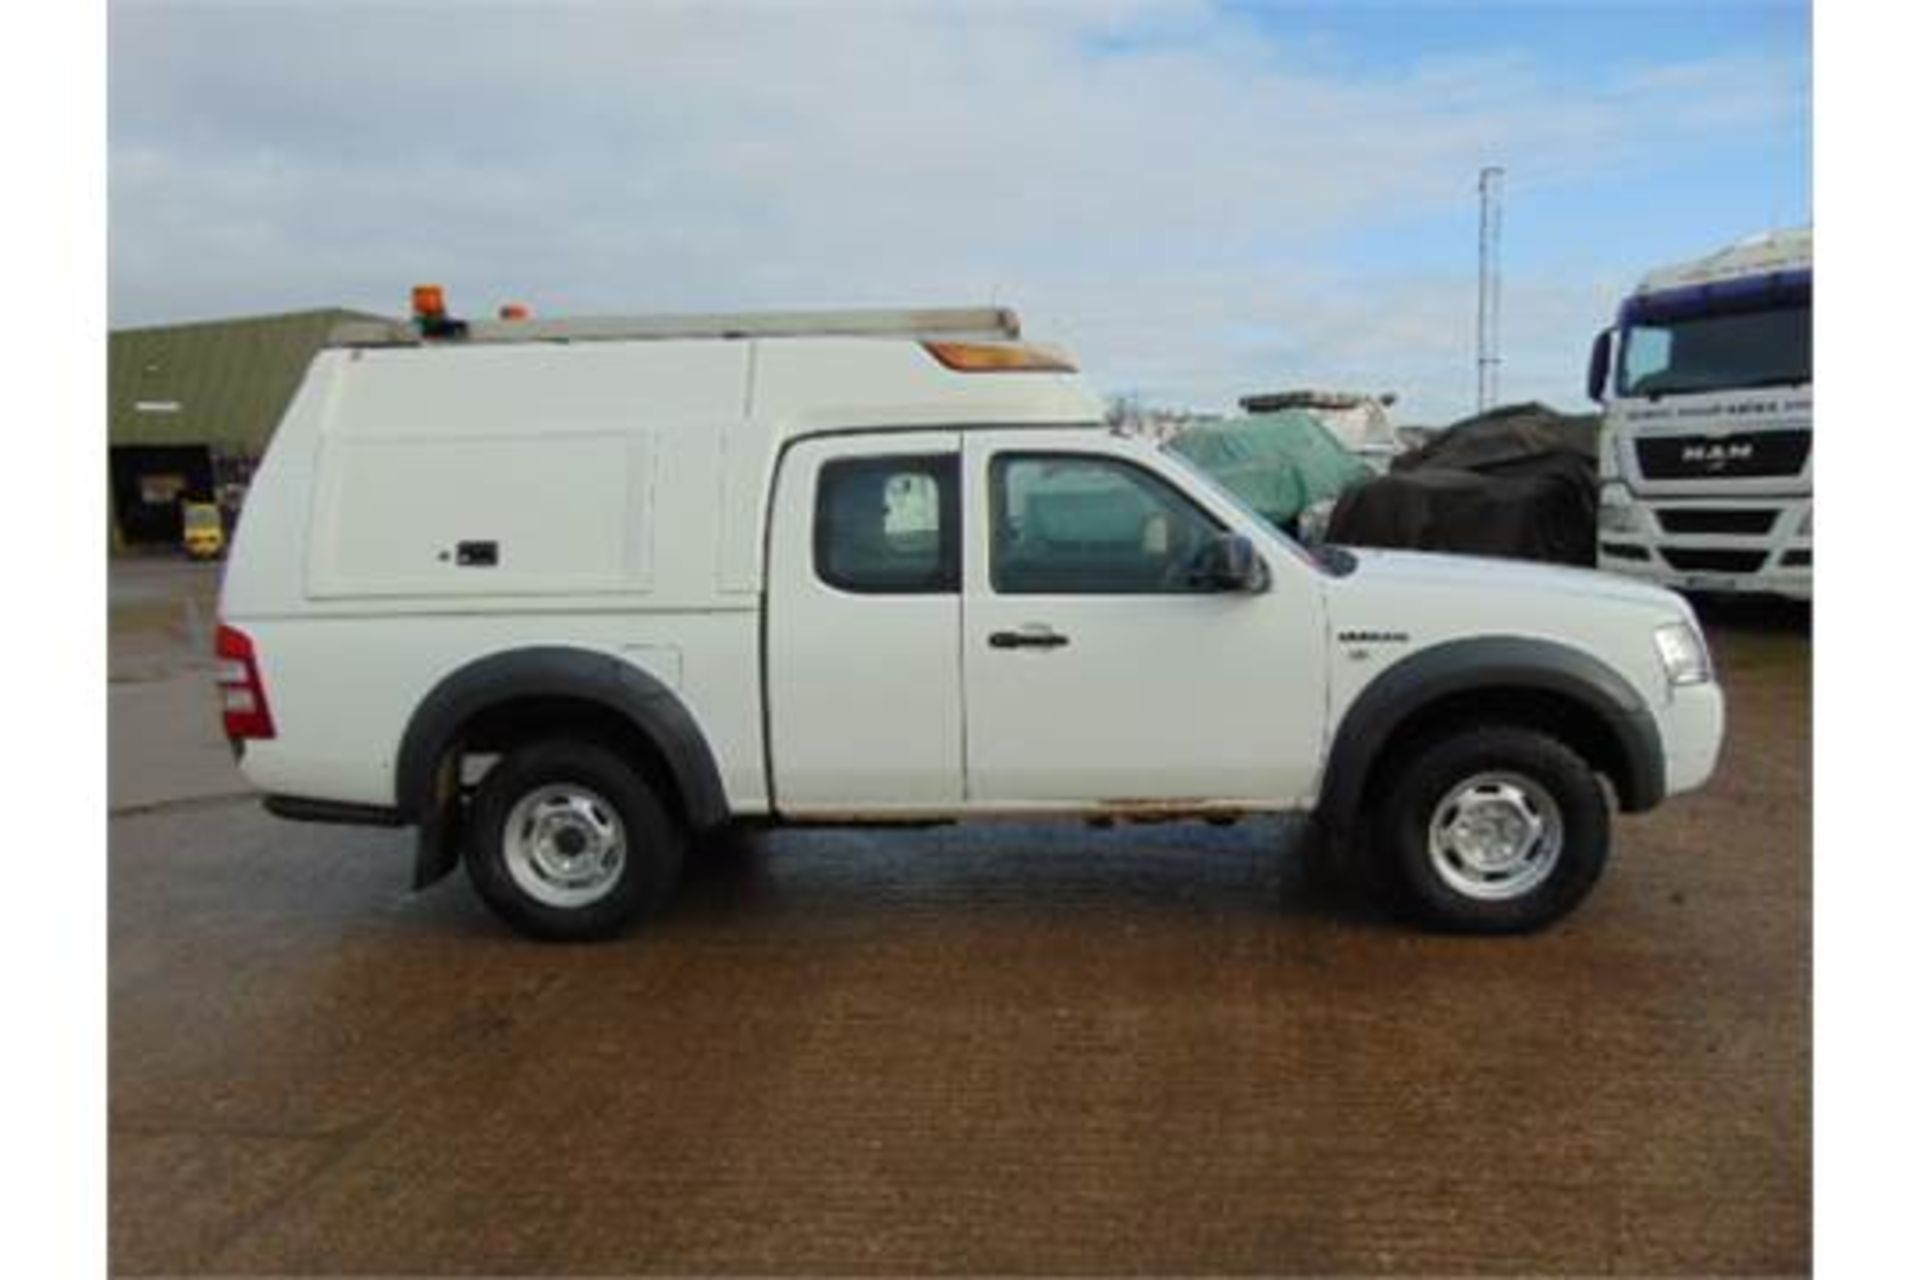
(201, 533)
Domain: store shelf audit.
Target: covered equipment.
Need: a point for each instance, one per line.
(1277, 463)
(1517, 481)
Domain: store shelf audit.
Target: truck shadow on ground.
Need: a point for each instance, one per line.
(1256, 868)
(1755, 615)
(792, 879)
(789, 882)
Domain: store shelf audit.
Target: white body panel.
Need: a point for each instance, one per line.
(863, 691)
(1599, 614)
(1155, 698)
(343, 686)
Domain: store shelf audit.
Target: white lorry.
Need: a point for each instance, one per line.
(1706, 446)
(567, 594)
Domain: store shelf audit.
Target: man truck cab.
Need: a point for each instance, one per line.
(565, 595)
(1706, 445)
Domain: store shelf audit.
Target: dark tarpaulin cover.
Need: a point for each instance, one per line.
(1518, 481)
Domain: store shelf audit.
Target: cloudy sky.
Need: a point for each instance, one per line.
(1200, 198)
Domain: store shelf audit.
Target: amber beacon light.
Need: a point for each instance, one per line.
(429, 302)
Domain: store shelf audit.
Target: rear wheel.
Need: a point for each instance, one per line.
(567, 842)
(1492, 830)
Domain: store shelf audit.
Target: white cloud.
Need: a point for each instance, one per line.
(1151, 182)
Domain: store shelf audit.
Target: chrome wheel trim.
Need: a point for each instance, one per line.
(564, 845)
(1495, 837)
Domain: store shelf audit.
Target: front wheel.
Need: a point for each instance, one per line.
(567, 842)
(1493, 830)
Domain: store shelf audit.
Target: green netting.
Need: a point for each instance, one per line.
(1278, 463)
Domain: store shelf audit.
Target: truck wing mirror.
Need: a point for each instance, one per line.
(1230, 563)
(1599, 362)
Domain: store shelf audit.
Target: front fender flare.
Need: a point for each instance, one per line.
(1510, 663)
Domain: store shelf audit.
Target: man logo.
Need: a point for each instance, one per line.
(1716, 457)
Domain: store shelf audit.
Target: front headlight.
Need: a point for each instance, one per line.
(1683, 653)
(1617, 513)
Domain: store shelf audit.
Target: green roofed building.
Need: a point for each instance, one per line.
(190, 408)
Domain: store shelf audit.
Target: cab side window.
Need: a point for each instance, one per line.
(1066, 524)
(888, 525)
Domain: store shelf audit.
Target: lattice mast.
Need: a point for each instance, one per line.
(1487, 342)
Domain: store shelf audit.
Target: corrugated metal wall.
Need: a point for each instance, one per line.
(222, 383)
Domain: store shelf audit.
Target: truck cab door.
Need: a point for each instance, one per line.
(1096, 673)
(863, 626)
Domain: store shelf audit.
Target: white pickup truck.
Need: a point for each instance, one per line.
(567, 594)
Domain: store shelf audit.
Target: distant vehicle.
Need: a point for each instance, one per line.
(1357, 419)
(564, 594)
(1706, 450)
(201, 533)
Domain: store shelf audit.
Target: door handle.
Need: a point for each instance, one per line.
(1037, 638)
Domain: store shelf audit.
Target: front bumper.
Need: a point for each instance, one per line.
(1692, 727)
(1694, 546)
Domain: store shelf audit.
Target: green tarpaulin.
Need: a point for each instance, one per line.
(1278, 463)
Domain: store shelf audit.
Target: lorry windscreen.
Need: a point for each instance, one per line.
(1707, 343)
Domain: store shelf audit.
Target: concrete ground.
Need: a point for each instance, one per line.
(1008, 1049)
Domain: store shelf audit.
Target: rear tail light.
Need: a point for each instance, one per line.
(243, 699)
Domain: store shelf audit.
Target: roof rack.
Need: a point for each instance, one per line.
(933, 322)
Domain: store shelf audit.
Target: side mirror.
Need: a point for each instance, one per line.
(1599, 363)
(1229, 563)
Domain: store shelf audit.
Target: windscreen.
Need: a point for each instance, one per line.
(1700, 340)
(1199, 476)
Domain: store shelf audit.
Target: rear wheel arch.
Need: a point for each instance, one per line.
(522, 695)
(1526, 683)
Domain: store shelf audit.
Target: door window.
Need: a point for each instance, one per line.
(889, 524)
(1084, 525)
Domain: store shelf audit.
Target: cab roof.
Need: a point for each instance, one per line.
(1769, 253)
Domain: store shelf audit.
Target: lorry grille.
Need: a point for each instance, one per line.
(1709, 520)
(1709, 561)
(1763, 453)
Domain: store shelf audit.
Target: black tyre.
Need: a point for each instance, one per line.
(1491, 830)
(567, 842)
